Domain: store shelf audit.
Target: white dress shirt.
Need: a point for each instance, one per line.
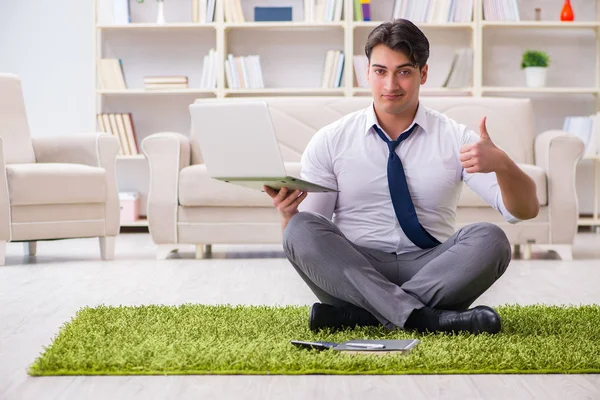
(349, 155)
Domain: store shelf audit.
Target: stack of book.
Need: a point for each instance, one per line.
(121, 126)
(333, 69)
(243, 72)
(323, 10)
(233, 11)
(110, 74)
(165, 82)
(439, 11)
(461, 69)
(203, 11)
(501, 10)
(209, 71)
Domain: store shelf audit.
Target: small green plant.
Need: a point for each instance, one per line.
(534, 58)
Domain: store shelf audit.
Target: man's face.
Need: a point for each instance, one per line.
(394, 80)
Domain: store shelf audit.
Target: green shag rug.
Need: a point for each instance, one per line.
(200, 339)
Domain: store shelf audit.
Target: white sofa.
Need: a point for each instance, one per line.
(54, 187)
(185, 206)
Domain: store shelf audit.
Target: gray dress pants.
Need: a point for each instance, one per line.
(450, 276)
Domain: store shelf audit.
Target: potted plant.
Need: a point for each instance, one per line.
(535, 63)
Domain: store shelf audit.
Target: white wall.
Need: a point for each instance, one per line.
(50, 44)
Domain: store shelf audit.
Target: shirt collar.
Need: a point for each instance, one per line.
(371, 119)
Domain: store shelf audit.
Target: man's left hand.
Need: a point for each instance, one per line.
(482, 156)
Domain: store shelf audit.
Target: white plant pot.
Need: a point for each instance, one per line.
(535, 76)
(160, 19)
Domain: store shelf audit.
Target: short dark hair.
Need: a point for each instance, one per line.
(400, 35)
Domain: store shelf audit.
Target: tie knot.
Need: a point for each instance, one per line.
(392, 144)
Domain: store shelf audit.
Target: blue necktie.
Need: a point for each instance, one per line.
(403, 205)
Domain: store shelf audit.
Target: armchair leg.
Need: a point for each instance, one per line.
(203, 251)
(516, 253)
(107, 247)
(2, 251)
(30, 248)
(527, 251)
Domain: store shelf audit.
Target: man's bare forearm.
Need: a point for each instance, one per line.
(518, 191)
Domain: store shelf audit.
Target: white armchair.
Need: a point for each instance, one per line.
(53, 187)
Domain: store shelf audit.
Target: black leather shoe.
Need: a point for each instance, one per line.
(476, 320)
(323, 316)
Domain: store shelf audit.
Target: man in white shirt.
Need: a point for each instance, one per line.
(382, 250)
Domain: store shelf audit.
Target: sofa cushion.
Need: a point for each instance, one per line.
(469, 198)
(55, 183)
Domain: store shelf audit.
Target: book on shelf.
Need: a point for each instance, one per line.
(203, 11)
(165, 82)
(121, 126)
(165, 79)
(365, 9)
(333, 69)
(233, 11)
(165, 86)
(362, 10)
(323, 10)
(501, 10)
(110, 74)
(244, 72)
(272, 14)
(361, 64)
(210, 69)
(434, 11)
(586, 128)
(461, 69)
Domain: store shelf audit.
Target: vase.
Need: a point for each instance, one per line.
(535, 76)
(567, 12)
(160, 19)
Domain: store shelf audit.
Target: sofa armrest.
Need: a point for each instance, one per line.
(94, 149)
(558, 153)
(4, 199)
(167, 154)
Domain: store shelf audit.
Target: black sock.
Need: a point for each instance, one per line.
(423, 319)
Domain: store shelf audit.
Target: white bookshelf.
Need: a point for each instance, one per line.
(292, 56)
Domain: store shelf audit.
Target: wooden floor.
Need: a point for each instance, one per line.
(39, 294)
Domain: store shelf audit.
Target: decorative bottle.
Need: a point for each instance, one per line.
(567, 12)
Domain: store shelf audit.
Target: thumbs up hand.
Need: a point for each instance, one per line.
(482, 156)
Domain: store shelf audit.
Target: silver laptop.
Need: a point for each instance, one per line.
(239, 146)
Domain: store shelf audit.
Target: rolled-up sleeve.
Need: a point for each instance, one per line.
(317, 167)
(485, 184)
